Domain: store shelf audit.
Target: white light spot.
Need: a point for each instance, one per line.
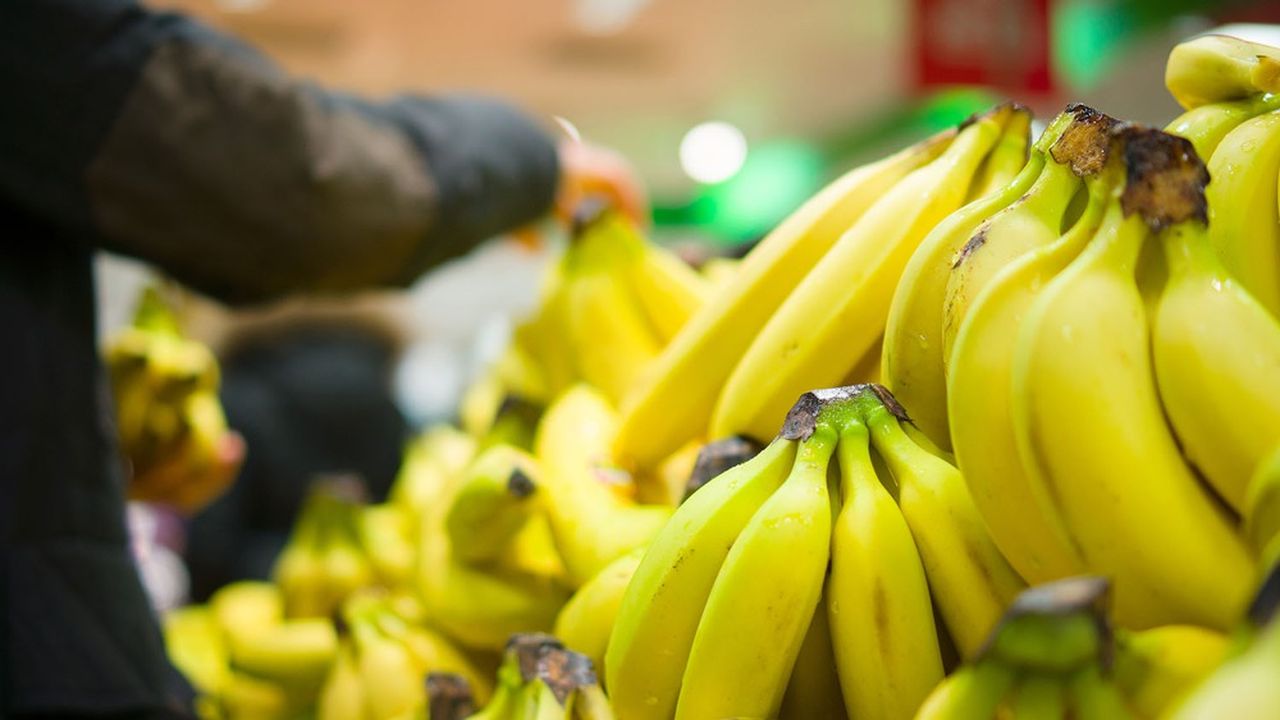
(713, 152)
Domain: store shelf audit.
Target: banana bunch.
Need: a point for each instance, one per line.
(609, 305)
(165, 388)
(245, 658)
(805, 307)
(731, 613)
(331, 548)
(393, 666)
(1055, 655)
(487, 564)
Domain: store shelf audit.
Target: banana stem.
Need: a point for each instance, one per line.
(1052, 191)
(1188, 250)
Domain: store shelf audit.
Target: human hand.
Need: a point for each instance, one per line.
(587, 170)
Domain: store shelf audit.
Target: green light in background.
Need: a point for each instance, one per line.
(775, 179)
(1086, 35)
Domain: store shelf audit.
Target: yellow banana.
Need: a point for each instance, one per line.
(1206, 125)
(1244, 688)
(973, 692)
(1212, 68)
(1034, 221)
(591, 525)
(836, 313)
(1007, 158)
(295, 654)
(1023, 522)
(613, 340)
(882, 627)
(971, 581)
(586, 621)
(431, 462)
(669, 290)
(1244, 224)
(912, 359)
(1217, 364)
(197, 646)
(246, 607)
(660, 610)
(343, 694)
(1089, 425)
(720, 271)
(813, 691)
(495, 498)
(674, 403)
(385, 535)
(392, 682)
(1155, 667)
(732, 673)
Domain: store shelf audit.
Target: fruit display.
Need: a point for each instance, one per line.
(989, 428)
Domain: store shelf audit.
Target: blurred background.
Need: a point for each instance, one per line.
(732, 111)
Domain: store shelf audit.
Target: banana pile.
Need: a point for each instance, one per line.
(169, 421)
(1043, 480)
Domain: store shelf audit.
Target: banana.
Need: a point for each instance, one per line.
(591, 525)
(660, 610)
(386, 537)
(1092, 694)
(1243, 222)
(433, 653)
(613, 340)
(971, 581)
(431, 461)
(544, 337)
(1037, 696)
(1153, 668)
(1035, 220)
(675, 401)
(1023, 522)
(670, 291)
(973, 692)
(912, 360)
(1217, 363)
(1212, 68)
(389, 675)
(834, 316)
(720, 271)
(813, 691)
(343, 694)
(246, 607)
(586, 621)
(882, 627)
(1244, 688)
(494, 500)
(1007, 158)
(246, 697)
(197, 646)
(732, 673)
(296, 654)
(1262, 519)
(1205, 126)
(1089, 425)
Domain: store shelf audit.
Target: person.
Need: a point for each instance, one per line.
(148, 134)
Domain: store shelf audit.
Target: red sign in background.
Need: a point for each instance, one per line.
(996, 43)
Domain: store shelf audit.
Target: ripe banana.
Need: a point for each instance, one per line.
(971, 581)
(1007, 158)
(1244, 688)
(1217, 363)
(1212, 68)
(1089, 424)
(882, 627)
(835, 314)
(591, 525)
(664, 602)
(1023, 522)
(1153, 668)
(386, 535)
(675, 401)
(912, 360)
(343, 694)
(1205, 126)
(1244, 224)
(494, 499)
(198, 647)
(813, 691)
(732, 673)
(431, 461)
(613, 340)
(586, 621)
(670, 291)
(1035, 220)
(972, 692)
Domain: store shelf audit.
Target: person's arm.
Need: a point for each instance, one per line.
(153, 136)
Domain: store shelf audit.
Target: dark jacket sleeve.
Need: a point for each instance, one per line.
(153, 136)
